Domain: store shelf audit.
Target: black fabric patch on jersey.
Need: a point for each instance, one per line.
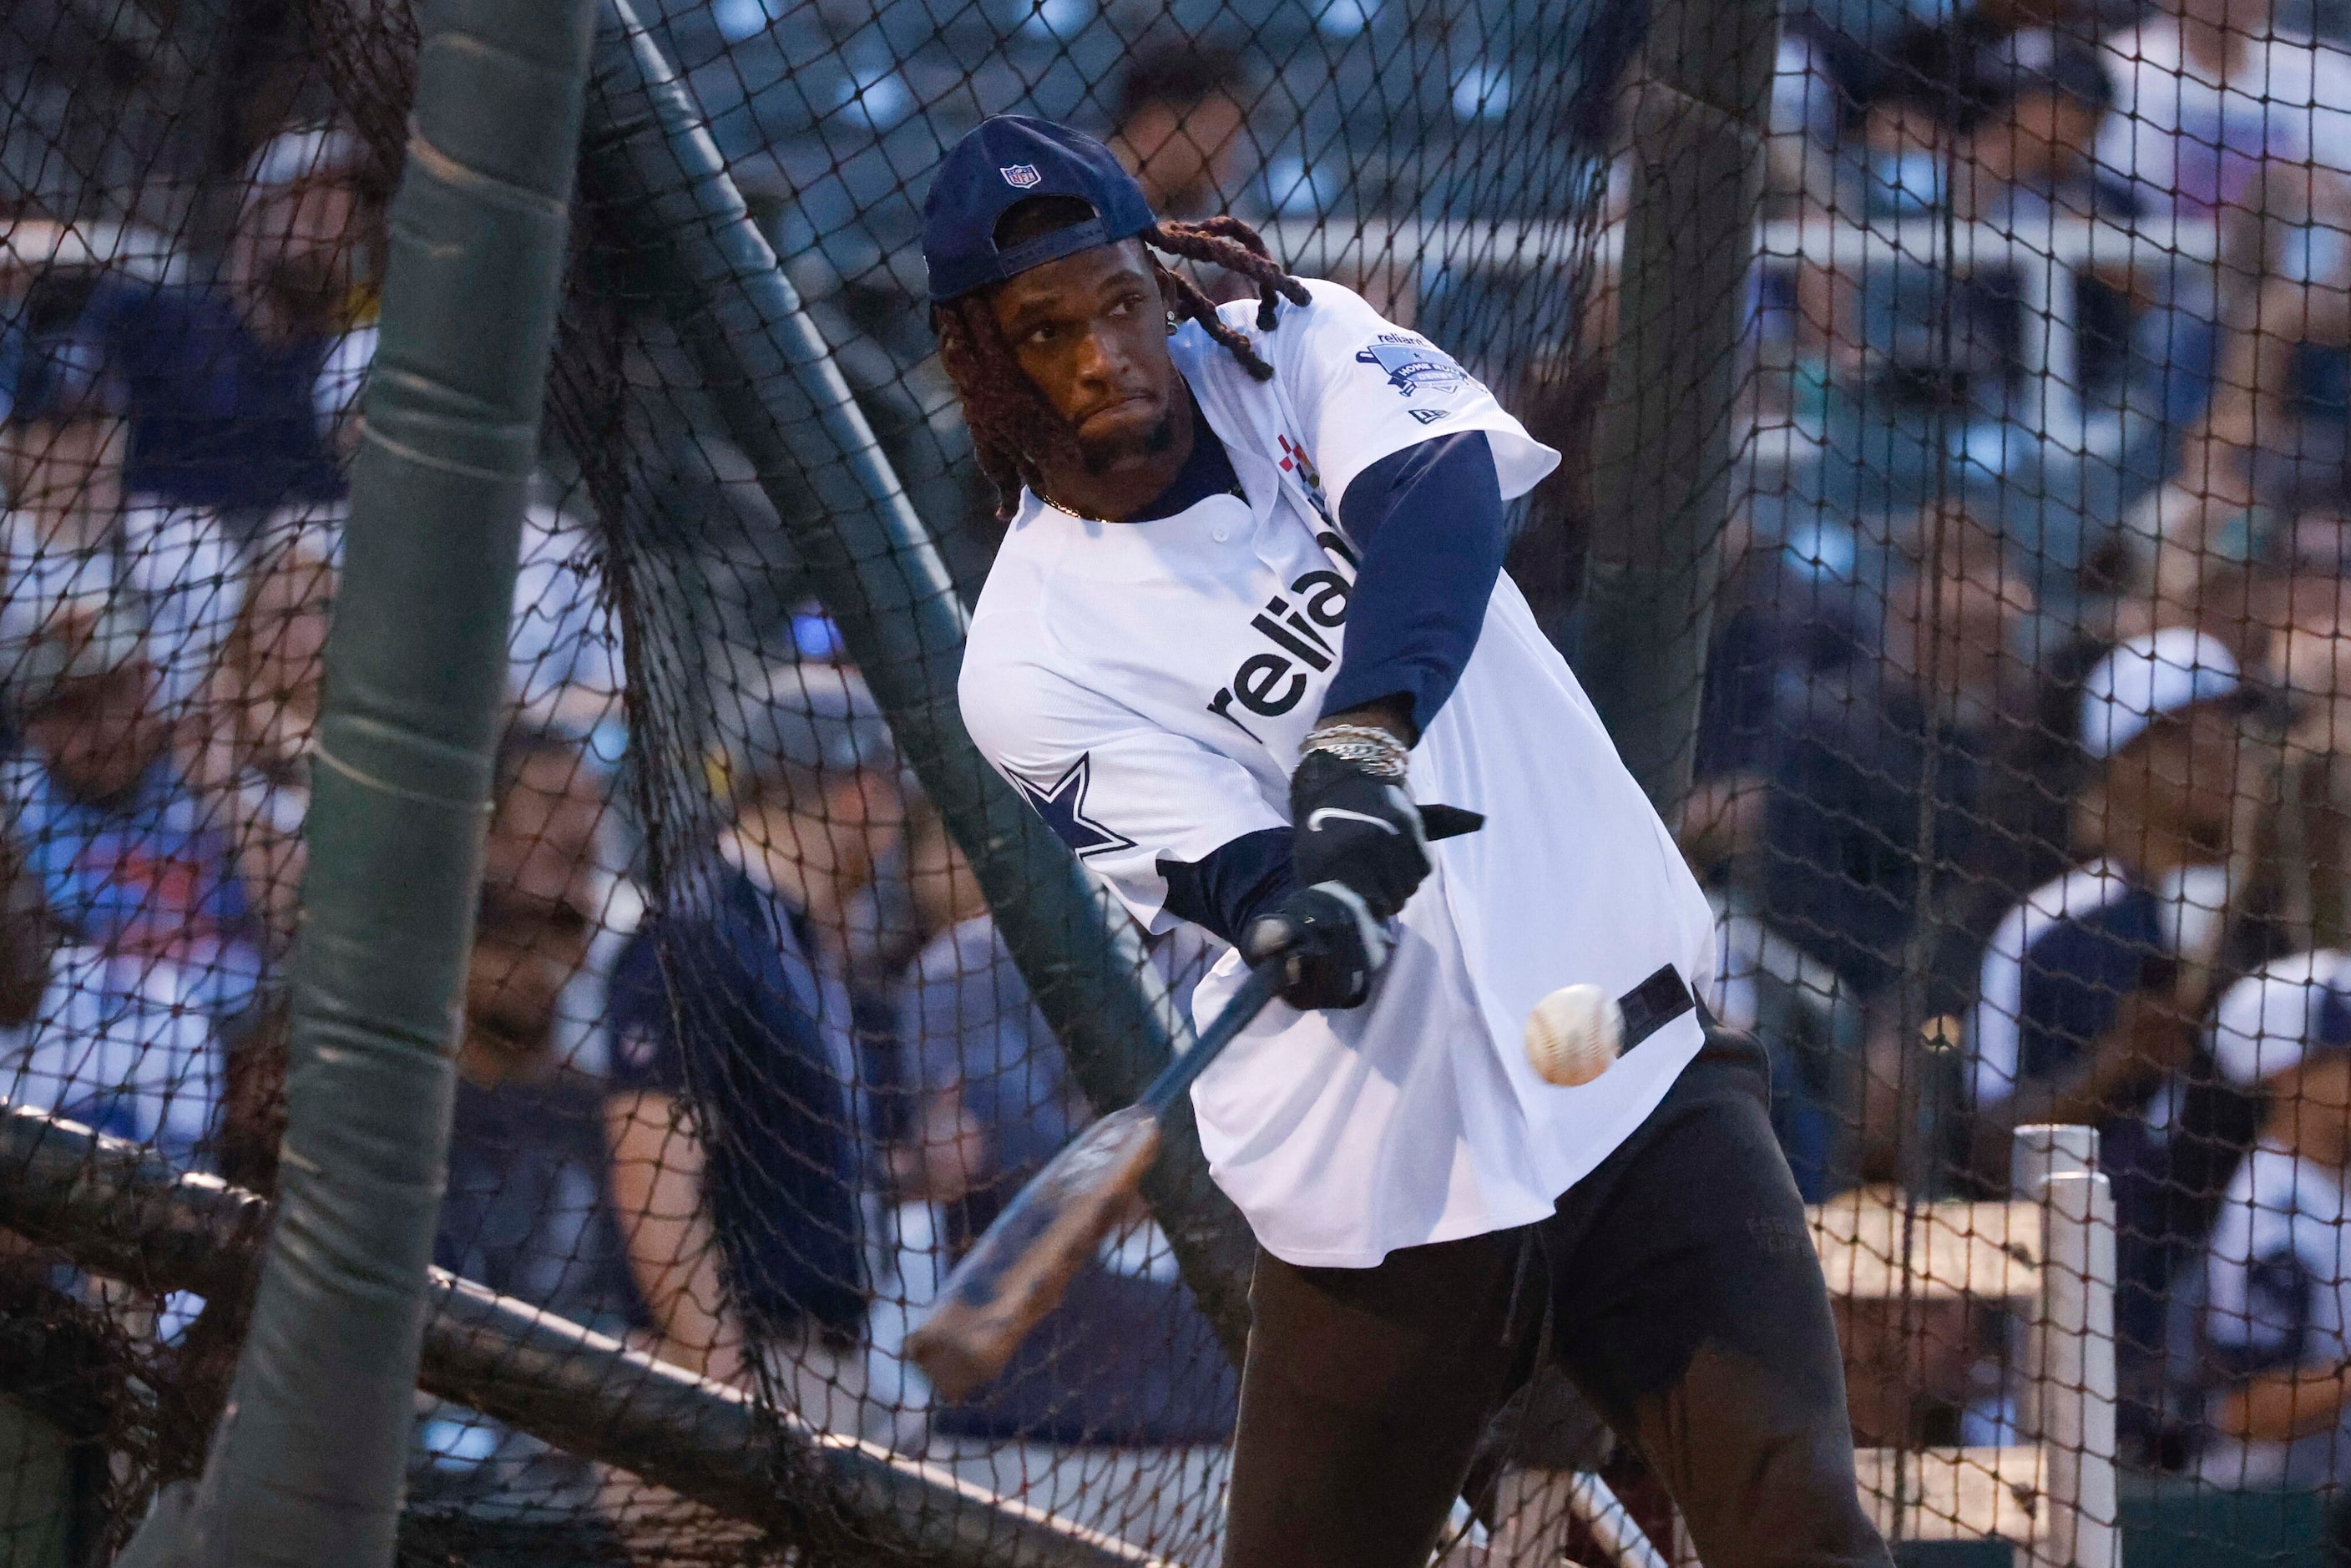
(1653, 1004)
(1232, 884)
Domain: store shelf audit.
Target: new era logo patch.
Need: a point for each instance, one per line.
(1429, 415)
(1020, 176)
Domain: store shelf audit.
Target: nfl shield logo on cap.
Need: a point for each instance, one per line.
(1005, 160)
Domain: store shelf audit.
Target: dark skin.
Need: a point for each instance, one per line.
(1091, 330)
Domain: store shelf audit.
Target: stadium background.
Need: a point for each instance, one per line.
(2031, 356)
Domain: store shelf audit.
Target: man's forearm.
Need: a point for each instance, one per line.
(1392, 714)
(672, 1251)
(2149, 1041)
(2279, 1406)
(697, 1331)
(2127, 1065)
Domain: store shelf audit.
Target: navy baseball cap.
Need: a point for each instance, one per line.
(1006, 160)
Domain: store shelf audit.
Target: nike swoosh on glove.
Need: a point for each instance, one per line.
(1350, 826)
(1329, 946)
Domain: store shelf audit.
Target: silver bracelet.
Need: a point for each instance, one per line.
(1366, 746)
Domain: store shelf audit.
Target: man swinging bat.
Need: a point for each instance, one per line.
(1249, 606)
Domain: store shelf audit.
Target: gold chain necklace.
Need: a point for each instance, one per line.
(1233, 489)
(1072, 511)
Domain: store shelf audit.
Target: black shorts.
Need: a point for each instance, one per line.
(1675, 1286)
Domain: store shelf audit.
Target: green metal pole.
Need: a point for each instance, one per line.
(649, 164)
(1662, 478)
(308, 1463)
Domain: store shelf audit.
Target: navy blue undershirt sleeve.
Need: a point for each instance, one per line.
(1233, 884)
(1428, 522)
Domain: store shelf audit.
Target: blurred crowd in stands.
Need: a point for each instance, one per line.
(2013, 823)
(2002, 829)
(748, 1124)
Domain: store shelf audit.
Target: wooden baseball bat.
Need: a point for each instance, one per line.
(1017, 1270)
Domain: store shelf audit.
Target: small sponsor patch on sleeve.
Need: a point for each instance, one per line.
(1412, 365)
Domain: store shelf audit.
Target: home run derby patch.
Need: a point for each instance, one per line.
(1412, 364)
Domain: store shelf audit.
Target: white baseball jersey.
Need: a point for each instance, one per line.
(2277, 1297)
(1147, 685)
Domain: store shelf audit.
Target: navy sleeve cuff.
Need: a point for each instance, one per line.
(1232, 884)
(1430, 524)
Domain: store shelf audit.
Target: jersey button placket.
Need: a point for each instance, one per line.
(1274, 538)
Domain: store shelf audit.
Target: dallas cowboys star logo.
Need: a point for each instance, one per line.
(1063, 807)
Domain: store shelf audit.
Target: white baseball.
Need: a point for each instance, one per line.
(1573, 1035)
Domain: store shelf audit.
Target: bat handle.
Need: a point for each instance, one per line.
(1258, 988)
(1263, 984)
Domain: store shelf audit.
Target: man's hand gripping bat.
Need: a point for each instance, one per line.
(1016, 1272)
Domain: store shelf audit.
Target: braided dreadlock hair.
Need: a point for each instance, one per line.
(1015, 432)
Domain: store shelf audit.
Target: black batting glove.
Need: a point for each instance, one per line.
(1328, 944)
(1350, 826)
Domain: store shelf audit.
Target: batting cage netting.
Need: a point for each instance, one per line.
(1954, 506)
